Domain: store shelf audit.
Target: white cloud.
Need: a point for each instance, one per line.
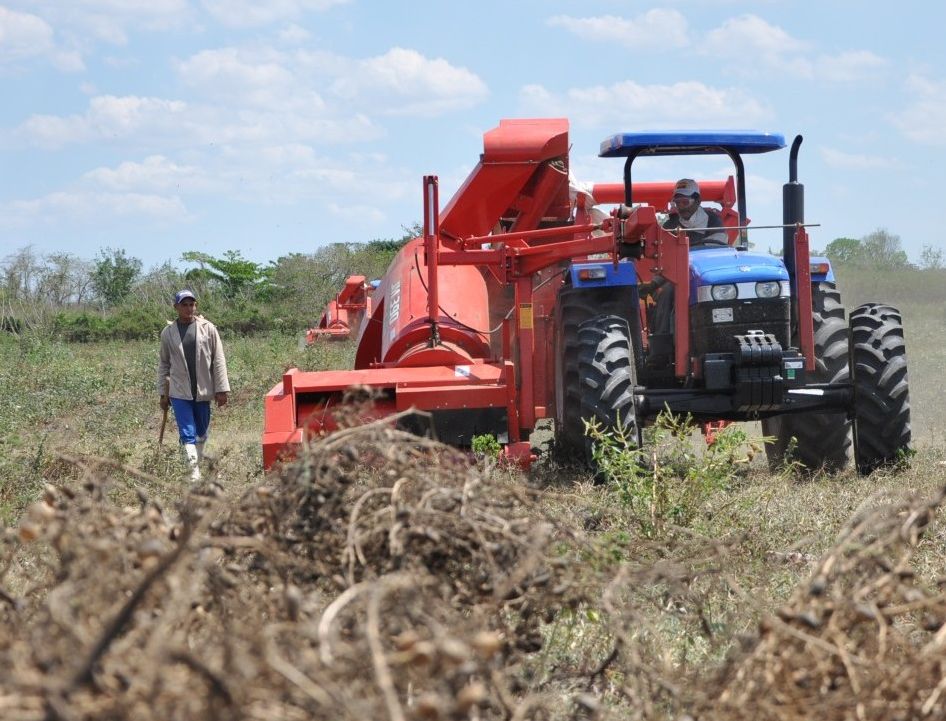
(772, 49)
(83, 206)
(655, 29)
(264, 96)
(145, 122)
(251, 13)
(404, 82)
(749, 36)
(256, 77)
(23, 35)
(108, 117)
(275, 174)
(400, 82)
(82, 24)
(294, 170)
(293, 35)
(683, 104)
(752, 32)
(920, 119)
(247, 130)
(854, 161)
(109, 21)
(156, 174)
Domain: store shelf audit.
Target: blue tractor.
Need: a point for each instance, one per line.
(723, 333)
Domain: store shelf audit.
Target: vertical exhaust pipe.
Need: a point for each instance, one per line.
(793, 207)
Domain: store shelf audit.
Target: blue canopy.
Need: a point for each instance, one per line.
(690, 142)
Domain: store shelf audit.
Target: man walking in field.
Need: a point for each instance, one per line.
(192, 370)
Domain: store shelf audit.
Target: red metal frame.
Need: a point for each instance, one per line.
(802, 293)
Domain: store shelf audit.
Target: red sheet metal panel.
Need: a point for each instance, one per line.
(451, 397)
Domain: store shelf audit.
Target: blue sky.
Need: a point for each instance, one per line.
(163, 126)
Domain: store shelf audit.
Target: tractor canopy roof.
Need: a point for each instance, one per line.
(690, 142)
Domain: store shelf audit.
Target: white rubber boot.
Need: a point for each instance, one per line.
(190, 450)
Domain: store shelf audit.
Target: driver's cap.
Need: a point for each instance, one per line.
(685, 186)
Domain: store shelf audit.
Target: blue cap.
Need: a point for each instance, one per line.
(182, 294)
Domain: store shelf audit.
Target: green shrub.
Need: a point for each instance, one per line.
(668, 480)
(126, 323)
(135, 322)
(486, 446)
(80, 326)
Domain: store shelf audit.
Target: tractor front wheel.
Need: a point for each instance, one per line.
(817, 440)
(881, 390)
(607, 377)
(575, 306)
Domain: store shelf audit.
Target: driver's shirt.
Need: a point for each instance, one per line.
(707, 221)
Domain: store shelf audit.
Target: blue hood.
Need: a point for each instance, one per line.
(712, 266)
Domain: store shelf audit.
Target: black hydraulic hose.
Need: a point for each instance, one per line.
(420, 276)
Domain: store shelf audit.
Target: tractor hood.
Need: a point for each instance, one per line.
(712, 266)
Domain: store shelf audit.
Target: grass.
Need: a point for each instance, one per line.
(921, 298)
(98, 400)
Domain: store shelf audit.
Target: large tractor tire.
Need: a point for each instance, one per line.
(607, 376)
(881, 389)
(574, 307)
(821, 440)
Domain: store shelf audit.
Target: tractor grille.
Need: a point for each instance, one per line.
(714, 324)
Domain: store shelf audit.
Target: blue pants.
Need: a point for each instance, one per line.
(193, 419)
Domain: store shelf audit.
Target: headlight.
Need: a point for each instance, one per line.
(725, 292)
(768, 289)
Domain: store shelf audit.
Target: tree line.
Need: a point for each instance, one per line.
(112, 297)
(881, 249)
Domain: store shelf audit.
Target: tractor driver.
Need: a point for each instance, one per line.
(704, 229)
(699, 223)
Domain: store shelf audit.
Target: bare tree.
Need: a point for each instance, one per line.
(932, 258)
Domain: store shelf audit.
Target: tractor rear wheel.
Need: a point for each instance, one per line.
(821, 440)
(881, 390)
(574, 307)
(607, 377)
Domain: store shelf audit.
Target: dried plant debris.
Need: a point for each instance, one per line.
(385, 576)
(380, 576)
(864, 638)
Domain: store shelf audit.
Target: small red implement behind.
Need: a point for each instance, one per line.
(344, 312)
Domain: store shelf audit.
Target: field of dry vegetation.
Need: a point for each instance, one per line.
(386, 577)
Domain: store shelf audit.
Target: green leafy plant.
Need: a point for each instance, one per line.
(486, 446)
(234, 275)
(668, 480)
